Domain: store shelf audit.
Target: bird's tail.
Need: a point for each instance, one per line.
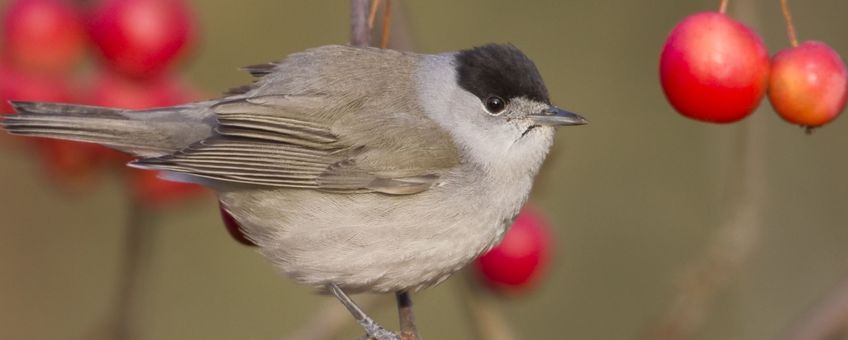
(145, 133)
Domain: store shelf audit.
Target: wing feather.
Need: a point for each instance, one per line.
(297, 140)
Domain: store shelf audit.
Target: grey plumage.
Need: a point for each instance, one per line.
(367, 168)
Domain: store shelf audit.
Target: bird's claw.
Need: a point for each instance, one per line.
(380, 334)
(377, 332)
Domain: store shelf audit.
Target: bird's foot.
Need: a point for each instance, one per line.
(376, 332)
(372, 329)
(381, 334)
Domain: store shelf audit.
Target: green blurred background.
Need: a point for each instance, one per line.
(636, 196)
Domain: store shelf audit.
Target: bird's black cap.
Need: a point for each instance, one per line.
(500, 70)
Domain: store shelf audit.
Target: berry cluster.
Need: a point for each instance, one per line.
(137, 43)
(716, 69)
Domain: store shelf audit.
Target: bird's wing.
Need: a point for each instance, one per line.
(296, 142)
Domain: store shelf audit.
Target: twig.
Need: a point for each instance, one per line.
(387, 24)
(827, 320)
(408, 331)
(373, 15)
(400, 38)
(790, 28)
(360, 34)
(137, 243)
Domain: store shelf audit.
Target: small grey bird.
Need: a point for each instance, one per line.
(353, 169)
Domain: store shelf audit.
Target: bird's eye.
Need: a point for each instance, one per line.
(495, 104)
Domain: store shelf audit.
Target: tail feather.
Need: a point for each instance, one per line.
(145, 133)
(23, 107)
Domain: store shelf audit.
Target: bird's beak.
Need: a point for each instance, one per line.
(554, 116)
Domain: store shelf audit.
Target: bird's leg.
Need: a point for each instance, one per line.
(372, 329)
(407, 318)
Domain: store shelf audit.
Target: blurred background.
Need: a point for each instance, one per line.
(639, 202)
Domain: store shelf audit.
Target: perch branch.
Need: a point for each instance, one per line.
(408, 331)
(138, 240)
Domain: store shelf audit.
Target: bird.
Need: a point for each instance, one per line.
(354, 169)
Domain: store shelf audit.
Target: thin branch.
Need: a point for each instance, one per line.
(790, 28)
(373, 15)
(408, 331)
(401, 33)
(138, 239)
(722, 7)
(387, 24)
(360, 34)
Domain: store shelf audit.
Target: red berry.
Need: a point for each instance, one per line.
(42, 35)
(71, 164)
(17, 85)
(518, 261)
(142, 38)
(713, 68)
(234, 228)
(808, 84)
(114, 90)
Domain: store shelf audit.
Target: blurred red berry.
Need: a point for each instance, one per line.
(114, 90)
(713, 68)
(518, 261)
(44, 36)
(142, 38)
(17, 85)
(71, 164)
(809, 84)
(234, 228)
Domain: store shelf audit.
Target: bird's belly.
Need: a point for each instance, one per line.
(368, 242)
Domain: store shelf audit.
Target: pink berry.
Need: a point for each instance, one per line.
(808, 84)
